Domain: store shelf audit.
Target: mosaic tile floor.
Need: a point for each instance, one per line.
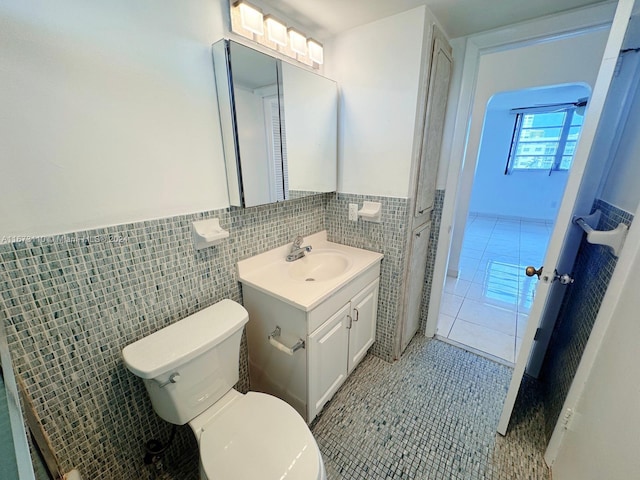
(431, 415)
(487, 306)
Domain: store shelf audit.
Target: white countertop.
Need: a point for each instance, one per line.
(270, 272)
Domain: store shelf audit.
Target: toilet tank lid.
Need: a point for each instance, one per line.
(184, 340)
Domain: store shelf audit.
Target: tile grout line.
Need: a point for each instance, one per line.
(510, 229)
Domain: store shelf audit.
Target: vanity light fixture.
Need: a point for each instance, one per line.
(276, 31)
(297, 41)
(316, 52)
(266, 30)
(250, 17)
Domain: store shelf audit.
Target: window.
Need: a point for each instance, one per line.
(544, 141)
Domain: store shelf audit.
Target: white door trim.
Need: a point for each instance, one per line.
(533, 32)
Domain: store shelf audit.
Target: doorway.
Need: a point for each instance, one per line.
(514, 201)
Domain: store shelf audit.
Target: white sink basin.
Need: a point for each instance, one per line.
(318, 266)
(308, 281)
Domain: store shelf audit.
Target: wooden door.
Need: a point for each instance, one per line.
(415, 282)
(582, 187)
(439, 79)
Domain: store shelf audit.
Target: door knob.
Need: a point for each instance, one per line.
(565, 279)
(531, 271)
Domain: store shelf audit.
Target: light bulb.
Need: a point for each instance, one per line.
(250, 18)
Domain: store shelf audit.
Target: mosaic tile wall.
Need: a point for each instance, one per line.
(388, 238)
(8, 467)
(593, 270)
(436, 220)
(72, 302)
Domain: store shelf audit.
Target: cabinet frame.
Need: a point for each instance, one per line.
(287, 377)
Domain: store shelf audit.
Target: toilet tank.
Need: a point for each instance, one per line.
(189, 365)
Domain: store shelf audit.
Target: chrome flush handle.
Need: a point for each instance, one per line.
(173, 378)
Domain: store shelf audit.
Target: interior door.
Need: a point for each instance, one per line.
(580, 192)
(415, 282)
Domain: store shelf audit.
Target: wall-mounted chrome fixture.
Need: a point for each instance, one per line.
(250, 22)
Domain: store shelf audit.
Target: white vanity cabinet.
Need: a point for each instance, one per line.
(337, 333)
(311, 321)
(338, 345)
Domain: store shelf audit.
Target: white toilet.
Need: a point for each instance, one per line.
(189, 369)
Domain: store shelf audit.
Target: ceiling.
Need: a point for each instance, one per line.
(326, 18)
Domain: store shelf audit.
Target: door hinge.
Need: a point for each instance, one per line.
(566, 419)
(571, 420)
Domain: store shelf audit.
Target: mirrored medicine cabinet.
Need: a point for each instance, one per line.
(279, 126)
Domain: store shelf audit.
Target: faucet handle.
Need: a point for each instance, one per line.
(298, 241)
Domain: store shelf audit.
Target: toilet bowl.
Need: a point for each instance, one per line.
(189, 369)
(255, 436)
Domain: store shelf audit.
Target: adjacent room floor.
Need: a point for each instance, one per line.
(487, 306)
(431, 415)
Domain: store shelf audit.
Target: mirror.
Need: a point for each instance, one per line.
(311, 116)
(279, 127)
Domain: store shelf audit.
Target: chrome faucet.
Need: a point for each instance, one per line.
(297, 250)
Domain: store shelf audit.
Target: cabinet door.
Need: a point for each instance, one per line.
(364, 311)
(415, 282)
(327, 352)
(440, 76)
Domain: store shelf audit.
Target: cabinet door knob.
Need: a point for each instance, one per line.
(356, 314)
(350, 321)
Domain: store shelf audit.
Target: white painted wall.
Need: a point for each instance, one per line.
(575, 59)
(569, 60)
(603, 440)
(377, 67)
(108, 114)
(533, 195)
(621, 186)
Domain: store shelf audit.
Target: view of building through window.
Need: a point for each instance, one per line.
(544, 141)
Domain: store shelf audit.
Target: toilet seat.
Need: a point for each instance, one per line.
(258, 436)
